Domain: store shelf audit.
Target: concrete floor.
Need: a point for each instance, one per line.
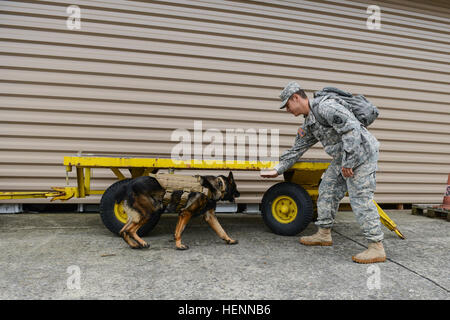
(73, 256)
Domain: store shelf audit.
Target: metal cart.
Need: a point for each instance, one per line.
(287, 207)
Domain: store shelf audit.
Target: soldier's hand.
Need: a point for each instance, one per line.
(347, 172)
(269, 173)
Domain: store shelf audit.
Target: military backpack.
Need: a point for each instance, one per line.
(363, 109)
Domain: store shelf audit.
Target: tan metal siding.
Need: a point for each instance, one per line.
(138, 70)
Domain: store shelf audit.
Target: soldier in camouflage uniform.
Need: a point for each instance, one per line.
(355, 154)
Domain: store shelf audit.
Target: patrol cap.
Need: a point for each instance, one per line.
(291, 88)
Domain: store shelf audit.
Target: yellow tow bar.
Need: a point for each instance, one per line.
(58, 194)
(388, 221)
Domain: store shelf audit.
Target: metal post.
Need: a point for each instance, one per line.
(87, 181)
(80, 181)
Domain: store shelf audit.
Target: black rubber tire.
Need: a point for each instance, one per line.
(110, 220)
(304, 208)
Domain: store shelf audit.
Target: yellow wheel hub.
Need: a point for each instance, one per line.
(120, 213)
(284, 209)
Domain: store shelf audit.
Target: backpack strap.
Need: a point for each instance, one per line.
(319, 118)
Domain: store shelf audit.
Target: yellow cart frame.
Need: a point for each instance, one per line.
(305, 173)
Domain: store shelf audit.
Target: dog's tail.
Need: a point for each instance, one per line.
(136, 187)
(122, 193)
(144, 185)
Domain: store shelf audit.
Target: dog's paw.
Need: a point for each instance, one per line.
(231, 241)
(145, 245)
(182, 247)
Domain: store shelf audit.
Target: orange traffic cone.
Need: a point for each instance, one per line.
(446, 201)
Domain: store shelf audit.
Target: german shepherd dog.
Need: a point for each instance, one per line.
(143, 196)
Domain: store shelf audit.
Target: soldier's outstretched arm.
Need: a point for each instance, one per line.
(301, 145)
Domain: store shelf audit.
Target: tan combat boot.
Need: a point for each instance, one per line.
(374, 253)
(320, 238)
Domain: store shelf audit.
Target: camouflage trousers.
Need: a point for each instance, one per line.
(360, 187)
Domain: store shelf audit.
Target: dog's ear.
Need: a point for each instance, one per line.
(230, 176)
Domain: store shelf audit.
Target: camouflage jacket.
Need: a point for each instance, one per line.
(346, 139)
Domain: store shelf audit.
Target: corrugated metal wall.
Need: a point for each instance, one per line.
(137, 70)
